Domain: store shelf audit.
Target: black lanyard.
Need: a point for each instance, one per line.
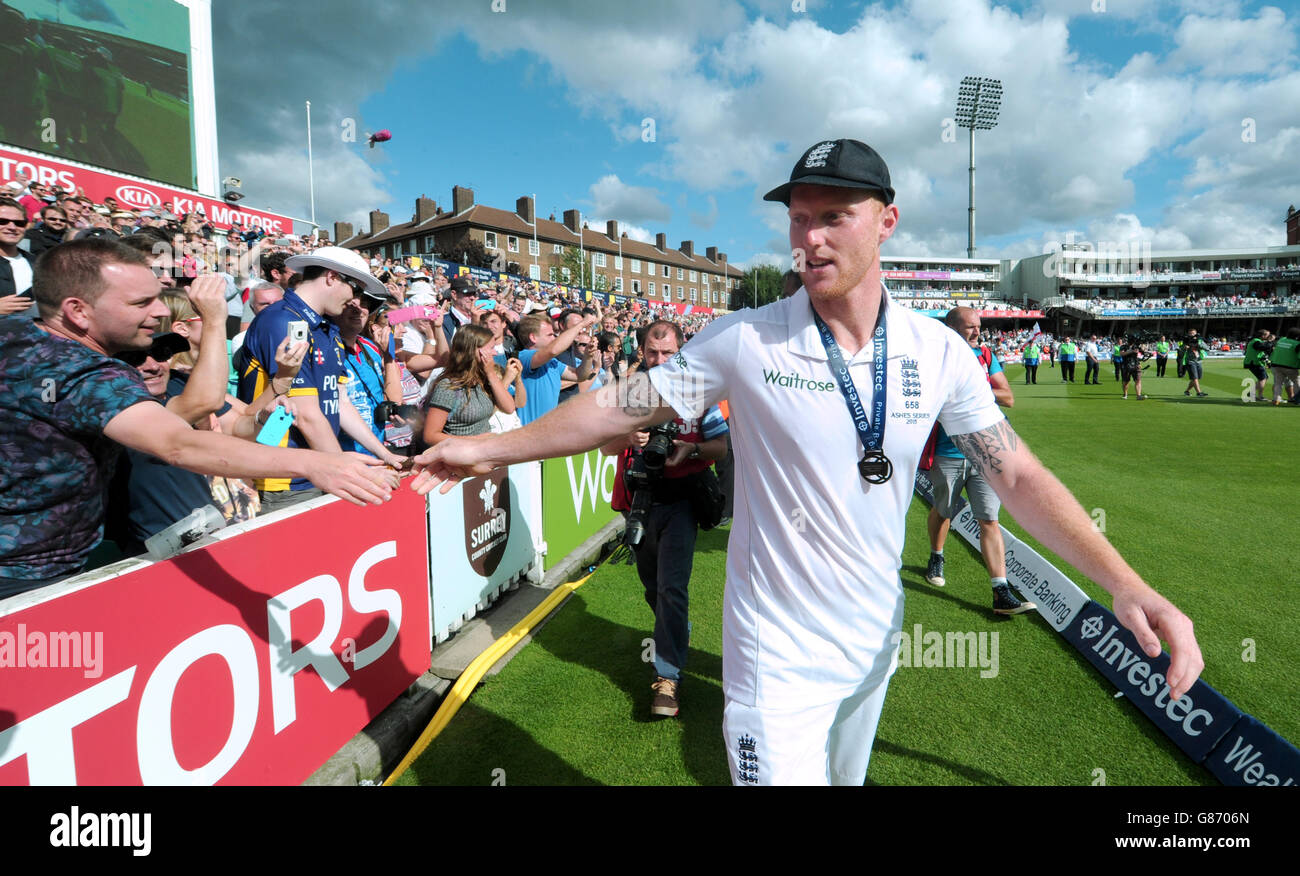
(874, 466)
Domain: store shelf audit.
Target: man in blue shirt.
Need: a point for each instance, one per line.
(951, 472)
(542, 370)
(331, 278)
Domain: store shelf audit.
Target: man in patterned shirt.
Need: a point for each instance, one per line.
(65, 406)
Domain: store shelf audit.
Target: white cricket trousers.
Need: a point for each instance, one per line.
(819, 745)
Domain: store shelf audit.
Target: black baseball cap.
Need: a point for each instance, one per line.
(463, 285)
(848, 164)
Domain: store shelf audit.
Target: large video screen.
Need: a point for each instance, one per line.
(103, 83)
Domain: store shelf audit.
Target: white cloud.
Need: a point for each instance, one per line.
(780, 260)
(735, 101)
(1233, 47)
(610, 196)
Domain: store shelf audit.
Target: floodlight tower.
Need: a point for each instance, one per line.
(978, 103)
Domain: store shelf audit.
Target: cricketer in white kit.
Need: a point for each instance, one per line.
(813, 595)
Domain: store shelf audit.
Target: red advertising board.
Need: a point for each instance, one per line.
(132, 192)
(247, 662)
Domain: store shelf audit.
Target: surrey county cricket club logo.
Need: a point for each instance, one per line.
(487, 520)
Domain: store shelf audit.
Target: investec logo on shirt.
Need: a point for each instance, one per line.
(796, 381)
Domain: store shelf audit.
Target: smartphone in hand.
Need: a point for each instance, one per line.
(276, 428)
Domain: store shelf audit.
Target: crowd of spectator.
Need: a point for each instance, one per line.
(190, 345)
(946, 304)
(1224, 303)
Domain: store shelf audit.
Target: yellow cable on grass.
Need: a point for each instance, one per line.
(469, 679)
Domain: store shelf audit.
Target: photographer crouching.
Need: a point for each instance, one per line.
(666, 489)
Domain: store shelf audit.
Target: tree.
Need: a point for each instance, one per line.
(580, 272)
(767, 279)
(471, 252)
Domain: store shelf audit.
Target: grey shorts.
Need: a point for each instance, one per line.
(949, 476)
(1193, 367)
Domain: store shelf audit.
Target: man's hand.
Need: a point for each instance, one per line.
(382, 334)
(288, 359)
(1151, 617)
(208, 295)
(513, 369)
(447, 463)
(14, 304)
(638, 440)
(360, 479)
(681, 450)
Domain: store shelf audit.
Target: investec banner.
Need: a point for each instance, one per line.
(1236, 747)
(131, 191)
(484, 535)
(249, 661)
(577, 491)
(1195, 721)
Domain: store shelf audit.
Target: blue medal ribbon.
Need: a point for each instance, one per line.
(874, 467)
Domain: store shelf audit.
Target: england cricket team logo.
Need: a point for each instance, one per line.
(747, 761)
(817, 156)
(911, 378)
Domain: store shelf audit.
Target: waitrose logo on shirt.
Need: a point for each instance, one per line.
(796, 381)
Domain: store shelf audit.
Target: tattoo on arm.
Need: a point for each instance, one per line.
(988, 448)
(637, 396)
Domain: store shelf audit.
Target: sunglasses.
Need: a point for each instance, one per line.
(356, 286)
(21, 223)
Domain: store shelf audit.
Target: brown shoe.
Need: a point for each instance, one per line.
(664, 704)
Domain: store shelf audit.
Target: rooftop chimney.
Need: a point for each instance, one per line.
(425, 209)
(661, 242)
(571, 220)
(712, 254)
(688, 248)
(611, 229)
(342, 231)
(378, 221)
(526, 209)
(461, 198)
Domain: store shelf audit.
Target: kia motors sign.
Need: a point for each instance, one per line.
(249, 661)
(133, 193)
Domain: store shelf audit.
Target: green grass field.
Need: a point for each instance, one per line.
(1197, 494)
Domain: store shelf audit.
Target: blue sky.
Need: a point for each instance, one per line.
(1176, 123)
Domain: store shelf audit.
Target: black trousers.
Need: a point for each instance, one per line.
(1161, 362)
(1031, 374)
(1092, 373)
(663, 562)
(1067, 371)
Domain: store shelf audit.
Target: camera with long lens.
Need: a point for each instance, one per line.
(641, 475)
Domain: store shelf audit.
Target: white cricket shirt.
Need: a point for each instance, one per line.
(813, 594)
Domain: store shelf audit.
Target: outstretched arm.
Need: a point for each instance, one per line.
(582, 424)
(1050, 513)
